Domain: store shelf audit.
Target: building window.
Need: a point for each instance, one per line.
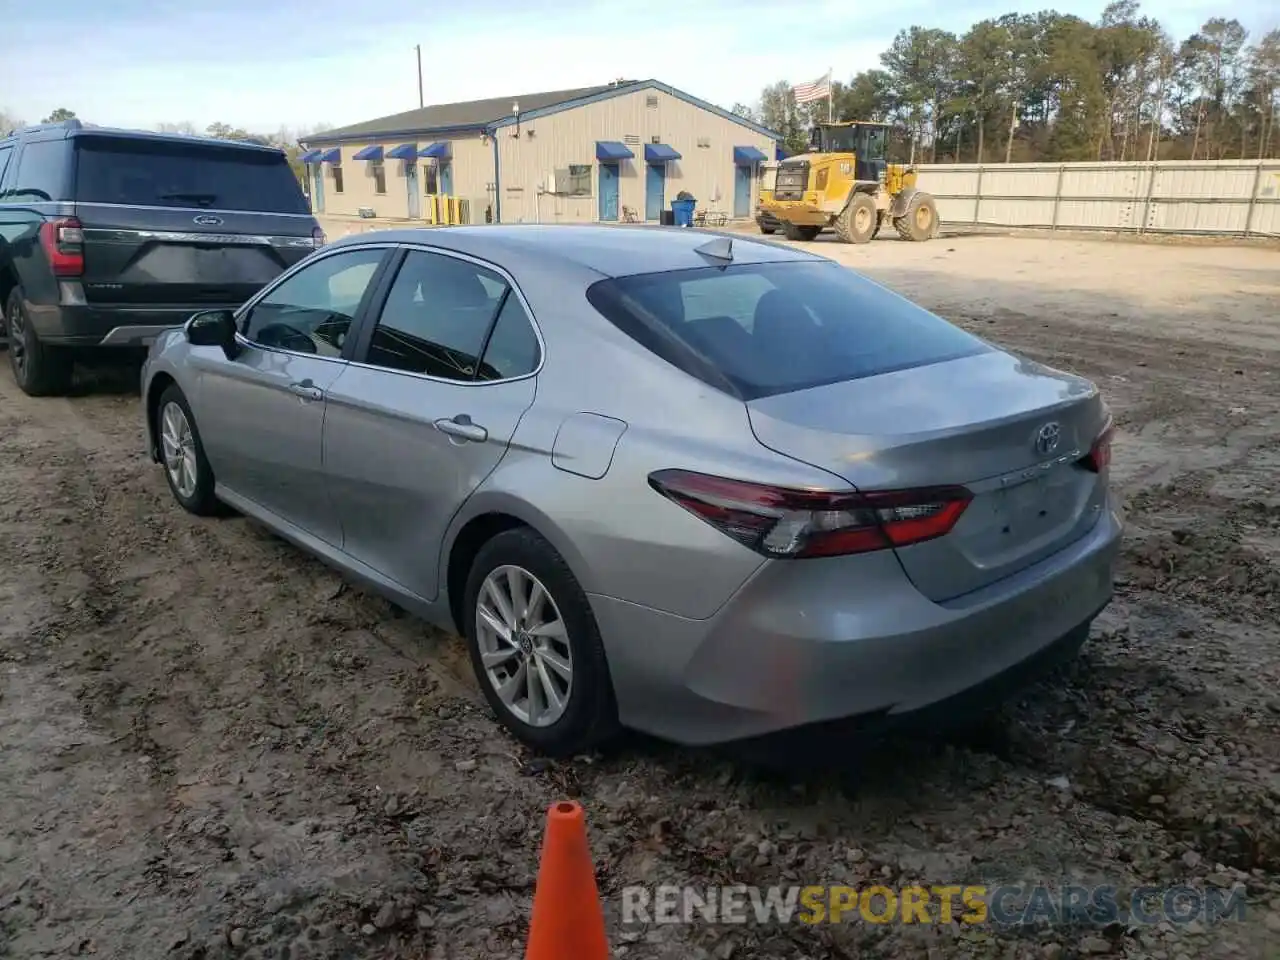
(379, 176)
(574, 180)
(431, 179)
(337, 178)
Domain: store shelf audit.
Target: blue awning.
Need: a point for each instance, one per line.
(441, 150)
(659, 153)
(746, 156)
(406, 151)
(332, 155)
(611, 151)
(311, 156)
(369, 153)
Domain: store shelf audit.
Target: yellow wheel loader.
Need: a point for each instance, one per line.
(845, 184)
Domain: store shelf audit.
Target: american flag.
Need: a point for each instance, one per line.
(819, 89)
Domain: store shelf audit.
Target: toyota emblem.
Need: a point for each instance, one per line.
(1047, 438)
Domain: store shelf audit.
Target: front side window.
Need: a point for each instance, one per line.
(312, 311)
(763, 329)
(440, 315)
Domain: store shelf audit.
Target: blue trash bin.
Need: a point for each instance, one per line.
(682, 210)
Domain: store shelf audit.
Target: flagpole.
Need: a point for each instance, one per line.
(831, 97)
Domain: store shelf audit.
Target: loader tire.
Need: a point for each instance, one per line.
(920, 221)
(794, 232)
(858, 220)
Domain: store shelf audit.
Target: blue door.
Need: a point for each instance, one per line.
(608, 191)
(317, 188)
(655, 190)
(741, 191)
(446, 178)
(411, 186)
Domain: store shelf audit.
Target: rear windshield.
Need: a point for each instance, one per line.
(762, 329)
(160, 173)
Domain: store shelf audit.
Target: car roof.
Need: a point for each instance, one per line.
(612, 251)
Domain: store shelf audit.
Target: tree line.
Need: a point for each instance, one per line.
(1052, 86)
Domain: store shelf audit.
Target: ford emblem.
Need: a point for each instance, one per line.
(207, 221)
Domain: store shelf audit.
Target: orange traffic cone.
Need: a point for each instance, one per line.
(568, 920)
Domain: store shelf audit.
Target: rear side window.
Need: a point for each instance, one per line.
(166, 173)
(6, 154)
(761, 329)
(42, 173)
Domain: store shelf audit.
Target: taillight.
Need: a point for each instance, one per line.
(1099, 455)
(788, 523)
(317, 238)
(63, 243)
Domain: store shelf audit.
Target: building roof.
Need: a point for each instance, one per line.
(496, 112)
(453, 116)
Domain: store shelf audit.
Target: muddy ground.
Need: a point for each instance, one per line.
(210, 747)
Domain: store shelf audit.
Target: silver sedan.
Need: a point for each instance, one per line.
(702, 486)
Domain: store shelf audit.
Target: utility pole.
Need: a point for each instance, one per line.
(418, 49)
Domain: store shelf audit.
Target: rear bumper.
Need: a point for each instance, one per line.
(806, 643)
(101, 326)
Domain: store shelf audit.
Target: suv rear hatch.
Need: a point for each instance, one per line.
(185, 222)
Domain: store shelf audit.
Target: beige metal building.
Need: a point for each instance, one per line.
(621, 151)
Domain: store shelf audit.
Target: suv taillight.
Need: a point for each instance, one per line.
(63, 243)
(787, 523)
(317, 238)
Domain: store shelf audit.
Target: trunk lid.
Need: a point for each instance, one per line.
(974, 421)
(185, 223)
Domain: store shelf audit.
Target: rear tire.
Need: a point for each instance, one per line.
(39, 369)
(920, 222)
(186, 469)
(859, 220)
(794, 232)
(545, 638)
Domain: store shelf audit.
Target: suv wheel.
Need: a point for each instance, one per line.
(39, 369)
(535, 646)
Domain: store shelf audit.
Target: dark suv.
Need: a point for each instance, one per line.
(108, 237)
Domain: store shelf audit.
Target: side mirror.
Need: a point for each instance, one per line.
(213, 328)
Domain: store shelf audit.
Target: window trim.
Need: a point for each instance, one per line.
(372, 311)
(357, 322)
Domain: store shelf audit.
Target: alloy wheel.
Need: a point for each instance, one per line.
(179, 448)
(524, 646)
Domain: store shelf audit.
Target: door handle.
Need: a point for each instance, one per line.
(462, 428)
(306, 390)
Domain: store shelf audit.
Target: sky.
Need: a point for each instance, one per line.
(266, 64)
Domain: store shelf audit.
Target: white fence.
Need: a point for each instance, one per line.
(1232, 197)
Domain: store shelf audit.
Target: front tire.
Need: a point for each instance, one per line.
(39, 369)
(535, 646)
(186, 468)
(859, 220)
